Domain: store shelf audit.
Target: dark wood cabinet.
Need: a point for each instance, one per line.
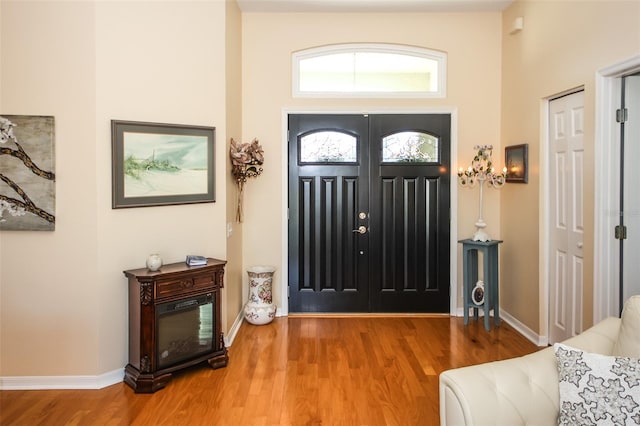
(174, 322)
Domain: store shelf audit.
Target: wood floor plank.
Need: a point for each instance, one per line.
(295, 371)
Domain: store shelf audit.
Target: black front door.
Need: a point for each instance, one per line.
(369, 213)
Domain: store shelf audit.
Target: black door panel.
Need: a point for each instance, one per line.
(410, 220)
(328, 266)
(401, 261)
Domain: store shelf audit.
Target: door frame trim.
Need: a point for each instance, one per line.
(283, 308)
(607, 188)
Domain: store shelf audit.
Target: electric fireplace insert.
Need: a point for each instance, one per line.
(184, 329)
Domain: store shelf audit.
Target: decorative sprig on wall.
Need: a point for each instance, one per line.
(246, 162)
(9, 145)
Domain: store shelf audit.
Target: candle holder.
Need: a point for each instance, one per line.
(481, 171)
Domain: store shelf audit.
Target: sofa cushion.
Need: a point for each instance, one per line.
(596, 389)
(628, 343)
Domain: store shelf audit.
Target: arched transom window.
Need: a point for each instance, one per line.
(369, 70)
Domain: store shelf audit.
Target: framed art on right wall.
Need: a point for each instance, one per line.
(515, 159)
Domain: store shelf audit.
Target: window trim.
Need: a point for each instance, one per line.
(439, 57)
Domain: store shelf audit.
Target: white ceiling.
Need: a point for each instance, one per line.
(371, 5)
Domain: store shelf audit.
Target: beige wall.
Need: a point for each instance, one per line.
(562, 46)
(50, 290)
(62, 293)
(64, 300)
(234, 271)
(472, 41)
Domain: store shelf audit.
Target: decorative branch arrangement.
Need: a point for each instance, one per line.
(246, 159)
(14, 206)
(481, 170)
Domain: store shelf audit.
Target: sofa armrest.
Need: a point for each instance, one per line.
(599, 339)
(510, 392)
(516, 391)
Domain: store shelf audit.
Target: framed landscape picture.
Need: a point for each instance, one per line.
(516, 163)
(156, 164)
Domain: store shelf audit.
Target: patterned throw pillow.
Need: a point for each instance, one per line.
(597, 389)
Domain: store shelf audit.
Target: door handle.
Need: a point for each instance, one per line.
(579, 245)
(361, 229)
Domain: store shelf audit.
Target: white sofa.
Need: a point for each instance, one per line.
(524, 390)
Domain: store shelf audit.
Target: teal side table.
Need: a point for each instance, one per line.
(489, 250)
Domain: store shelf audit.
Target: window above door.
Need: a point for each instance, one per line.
(369, 70)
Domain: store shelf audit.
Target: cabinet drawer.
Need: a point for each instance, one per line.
(184, 284)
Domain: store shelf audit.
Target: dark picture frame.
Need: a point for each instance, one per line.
(157, 164)
(516, 161)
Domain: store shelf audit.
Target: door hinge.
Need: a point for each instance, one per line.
(288, 291)
(621, 232)
(621, 115)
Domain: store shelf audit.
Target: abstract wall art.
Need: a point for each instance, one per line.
(27, 175)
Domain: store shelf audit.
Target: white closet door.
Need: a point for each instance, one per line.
(566, 160)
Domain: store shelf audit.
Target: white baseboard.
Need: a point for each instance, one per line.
(532, 336)
(233, 331)
(529, 334)
(61, 382)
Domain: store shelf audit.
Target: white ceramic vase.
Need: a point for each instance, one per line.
(154, 262)
(260, 308)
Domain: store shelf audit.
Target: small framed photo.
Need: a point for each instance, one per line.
(516, 159)
(156, 164)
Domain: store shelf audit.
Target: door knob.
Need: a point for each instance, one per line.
(579, 245)
(361, 229)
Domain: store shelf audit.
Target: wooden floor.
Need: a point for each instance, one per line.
(294, 371)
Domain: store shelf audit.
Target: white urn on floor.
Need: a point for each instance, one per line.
(260, 308)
